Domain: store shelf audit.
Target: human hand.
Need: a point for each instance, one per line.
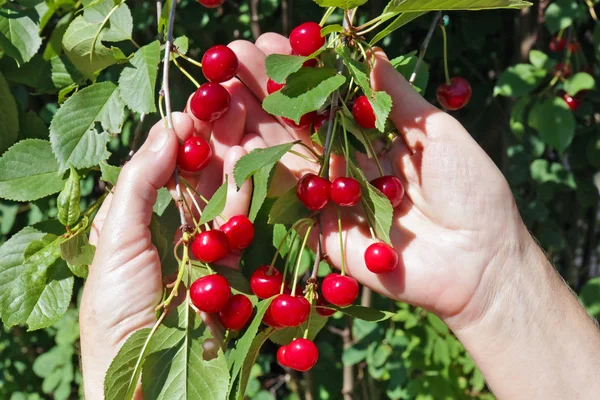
(457, 224)
(125, 282)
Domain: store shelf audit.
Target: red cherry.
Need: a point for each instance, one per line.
(210, 102)
(363, 114)
(313, 191)
(194, 154)
(273, 86)
(574, 102)
(566, 70)
(210, 293)
(574, 47)
(320, 119)
(290, 310)
(281, 356)
(210, 246)
(301, 354)
(219, 64)
(269, 320)
(339, 290)
(321, 308)
(266, 282)
(306, 38)
(381, 258)
(456, 95)
(391, 187)
(305, 120)
(345, 191)
(236, 313)
(211, 3)
(557, 45)
(239, 231)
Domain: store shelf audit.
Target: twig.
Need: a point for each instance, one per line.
(424, 46)
(136, 136)
(254, 20)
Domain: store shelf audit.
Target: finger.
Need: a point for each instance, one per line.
(184, 123)
(99, 220)
(273, 43)
(238, 201)
(252, 67)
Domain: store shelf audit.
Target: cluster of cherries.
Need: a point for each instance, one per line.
(559, 45)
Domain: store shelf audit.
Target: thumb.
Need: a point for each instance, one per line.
(137, 186)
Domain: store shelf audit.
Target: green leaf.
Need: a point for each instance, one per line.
(541, 60)
(306, 79)
(311, 99)
(72, 131)
(366, 313)
(237, 357)
(441, 352)
(110, 173)
(345, 4)
(382, 105)
(450, 5)
(560, 14)
(287, 209)
(379, 208)
(260, 180)
(31, 126)
(9, 118)
(163, 199)
(543, 171)
(315, 323)
(437, 324)
(331, 29)
(19, 34)
(29, 171)
(137, 83)
(406, 65)
(519, 80)
(78, 253)
(249, 362)
(279, 66)
(68, 200)
(554, 122)
(517, 117)
(120, 23)
(397, 23)
(181, 44)
(175, 367)
(578, 82)
(216, 205)
(124, 372)
(40, 289)
(77, 43)
(252, 162)
(590, 296)
(64, 73)
(35, 73)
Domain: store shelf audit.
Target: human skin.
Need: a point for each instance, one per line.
(465, 253)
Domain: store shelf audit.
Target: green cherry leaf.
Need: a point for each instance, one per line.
(19, 34)
(344, 4)
(252, 162)
(554, 122)
(120, 23)
(315, 323)
(110, 173)
(73, 129)
(137, 83)
(382, 105)
(578, 82)
(68, 200)
(9, 117)
(365, 313)
(78, 253)
(287, 209)
(279, 66)
(519, 80)
(216, 205)
(334, 28)
(396, 24)
(29, 171)
(396, 6)
(261, 180)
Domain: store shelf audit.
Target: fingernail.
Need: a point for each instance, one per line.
(159, 141)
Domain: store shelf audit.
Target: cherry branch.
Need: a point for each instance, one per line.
(424, 47)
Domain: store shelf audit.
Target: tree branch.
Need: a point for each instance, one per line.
(424, 47)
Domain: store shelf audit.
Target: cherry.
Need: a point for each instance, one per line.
(211, 3)
(288, 310)
(363, 114)
(574, 102)
(305, 120)
(321, 308)
(194, 154)
(345, 191)
(391, 187)
(557, 44)
(236, 313)
(301, 354)
(340, 290)
(239, 231)
(566, 70)
(269, 320)
(219, 64)
(210, 102)
(456, 95)
(320, 119)
(381, 258)
(574, 47)
(273, 86)
(210, 293)
(281, 356)
(306, 38)
(313, 191)
(266, 282)
(210, 246)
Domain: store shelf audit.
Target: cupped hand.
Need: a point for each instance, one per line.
(458, 221)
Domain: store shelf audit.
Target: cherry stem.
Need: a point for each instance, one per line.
(369, 220)
(445, 54)
(195, 205)
(311, 295)
(136, 136)
(187, 74)
(187, 58)
(204, 199)
(287, 261)
(318, 255)
(375, 26)
(300, 254)
(346, 148)
(326, 16)
(185, 258)
(339, 221)
(282, 241)
(331, 126)
(294, 152)
(424, 47)
(314, 153)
